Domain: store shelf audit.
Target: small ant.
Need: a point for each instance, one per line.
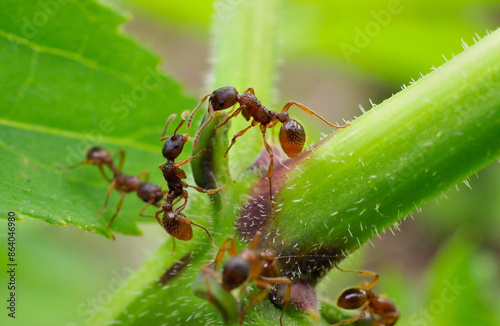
(174, 222)
(292, 135)
(363, 298)
(148, 192)
(250, 265)
(98, 156)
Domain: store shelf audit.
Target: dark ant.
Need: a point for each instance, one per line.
(363, 298)
(173, 221)
(292, 135)
(250, 265)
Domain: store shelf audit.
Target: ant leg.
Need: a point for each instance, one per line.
(249, 90)
(375, 276)
(144, 174)
(255, 240)
(205, 191)
(121, 152)
(169, 120)
(204, 228)
(211, 114)
(141, 212)
(307, 110)
(239, 134)
(190, 119)
(234, 114)
(118, 207)
(229, 246)
(280, 280)
(110, 190)
(101, 170)
(351, 320)
(270, 168)
(186, 161)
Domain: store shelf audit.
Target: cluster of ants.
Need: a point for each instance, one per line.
(251, 265)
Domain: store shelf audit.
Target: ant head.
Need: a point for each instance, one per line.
(174, 145)
(99, 155)
(235, 273)
(223, 98)
(267, 256)
(292, 137)
(352, 298)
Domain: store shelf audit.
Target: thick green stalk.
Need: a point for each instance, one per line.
(393, 159)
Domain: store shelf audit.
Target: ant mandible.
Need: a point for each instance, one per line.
(292, 135)
(363, 298)
(173, 221)
(250, 265)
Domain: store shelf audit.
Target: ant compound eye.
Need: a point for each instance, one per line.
(176, 145)
(221, 103)
(292, 137)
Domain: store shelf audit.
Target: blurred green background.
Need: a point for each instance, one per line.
(440, 267)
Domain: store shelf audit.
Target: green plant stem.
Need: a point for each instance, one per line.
(396, 157)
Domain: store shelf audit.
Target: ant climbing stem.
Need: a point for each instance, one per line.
(173, 221)
(249, 266)
(382, 312)
(292, 135)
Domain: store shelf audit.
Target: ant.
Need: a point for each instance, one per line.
(173, 221)
(148, 192)
(292, 135)
(98, 156)
(250, 265)
(363, 298)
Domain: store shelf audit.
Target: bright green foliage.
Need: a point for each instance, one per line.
(66, 88)
(396, 39)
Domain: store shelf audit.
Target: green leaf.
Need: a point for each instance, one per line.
(461, 285)
(71, 80)
(393, 39)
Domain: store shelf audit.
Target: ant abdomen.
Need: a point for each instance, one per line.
(292, 137)
(174, 223)
(235, 273)
(352, 298)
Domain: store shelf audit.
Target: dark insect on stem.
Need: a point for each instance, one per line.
(249, 266)
(292, 135)
(382, 312)
(173, 221)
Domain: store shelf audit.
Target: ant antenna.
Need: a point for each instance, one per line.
(169, 120)
(188, 125)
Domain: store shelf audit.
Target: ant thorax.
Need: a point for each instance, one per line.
(127, 183)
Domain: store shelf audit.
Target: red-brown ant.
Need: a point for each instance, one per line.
(173, 221)
(363, 298)
(98, 156)
(292, 135)
(150, 193)
(250, 265)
